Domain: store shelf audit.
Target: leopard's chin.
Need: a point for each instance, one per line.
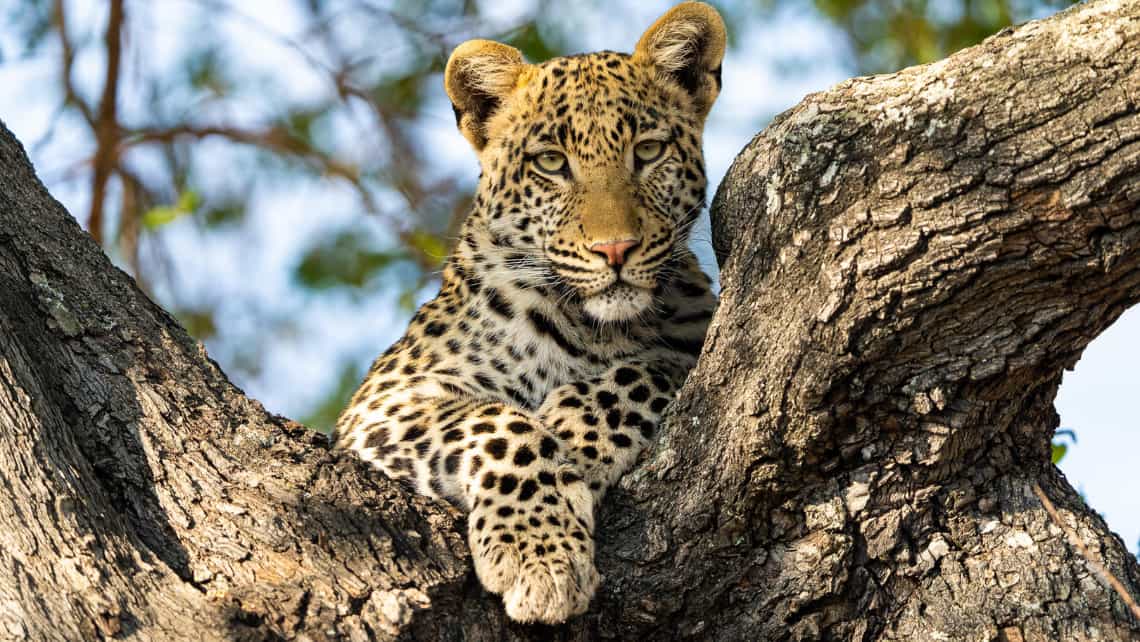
(618, 303)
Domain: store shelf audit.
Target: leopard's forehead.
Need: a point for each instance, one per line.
(598, 83)
(582, 100)
(586, 71)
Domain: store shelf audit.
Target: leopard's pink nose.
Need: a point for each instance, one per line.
(614, 251)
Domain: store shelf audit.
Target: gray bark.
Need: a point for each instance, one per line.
(910, 262)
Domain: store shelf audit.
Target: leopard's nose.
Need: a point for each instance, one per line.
(614, 251)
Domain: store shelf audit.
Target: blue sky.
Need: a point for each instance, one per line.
(775, 63)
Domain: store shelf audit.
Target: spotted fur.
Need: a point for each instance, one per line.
(570, 311)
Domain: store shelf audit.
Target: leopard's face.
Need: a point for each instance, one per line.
(599, 172)
(592, 169)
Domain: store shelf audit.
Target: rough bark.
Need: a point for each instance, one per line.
(910, 261)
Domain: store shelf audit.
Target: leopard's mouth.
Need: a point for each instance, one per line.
(621, 301)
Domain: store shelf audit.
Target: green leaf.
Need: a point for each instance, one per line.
(156, 217)
(408, 300)
(223, 214)
(1059, 451)
(199, 323)
(428, 244)
(1059, 445)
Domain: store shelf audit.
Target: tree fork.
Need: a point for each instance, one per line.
(909, 263)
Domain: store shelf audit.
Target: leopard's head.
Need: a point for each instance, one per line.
(592, 171)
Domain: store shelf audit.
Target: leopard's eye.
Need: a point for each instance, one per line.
(551, 162)
(648, 151)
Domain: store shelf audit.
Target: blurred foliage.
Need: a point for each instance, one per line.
(1059, 450)
(887, 35)
(166, 135)
(1059, 446)
(198, 323)
(156, 217)
(343, 261)
(323, 417)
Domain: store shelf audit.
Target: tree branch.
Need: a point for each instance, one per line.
(71, 96)
(909, 262)
(106, 125)
(280, 141)
(1104, 574)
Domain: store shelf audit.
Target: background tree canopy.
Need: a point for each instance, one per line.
(189, 112)
(285, 177)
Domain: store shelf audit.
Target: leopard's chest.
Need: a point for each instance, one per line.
(521, 351)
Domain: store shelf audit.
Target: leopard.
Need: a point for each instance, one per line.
(570, 310)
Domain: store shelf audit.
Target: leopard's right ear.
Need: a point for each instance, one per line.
(480, 75)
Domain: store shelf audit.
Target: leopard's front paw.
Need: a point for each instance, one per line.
(533, 542)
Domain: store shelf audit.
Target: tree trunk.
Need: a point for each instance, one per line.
(909, 263)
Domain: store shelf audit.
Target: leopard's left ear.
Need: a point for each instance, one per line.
(686, 45)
